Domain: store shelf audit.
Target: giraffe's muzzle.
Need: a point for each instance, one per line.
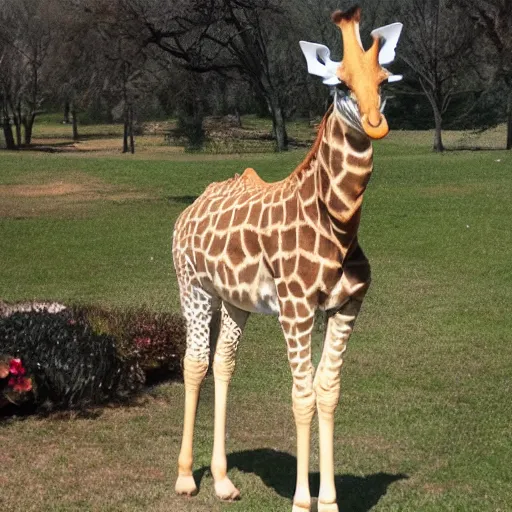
(375, 131)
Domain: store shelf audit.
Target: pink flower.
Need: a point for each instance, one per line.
(16, 367)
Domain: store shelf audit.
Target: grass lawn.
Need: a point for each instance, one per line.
(425, 417)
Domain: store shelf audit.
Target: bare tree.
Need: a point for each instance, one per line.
(494, 19)
(107, 61)
(437, 45)
(231, 37)
(9, 90)
(78, 65)
(26, 30)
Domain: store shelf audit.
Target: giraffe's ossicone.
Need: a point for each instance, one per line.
(286, 248)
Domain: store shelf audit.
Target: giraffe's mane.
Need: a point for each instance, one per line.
(306, 163)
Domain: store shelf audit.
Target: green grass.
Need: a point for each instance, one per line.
(424, 418)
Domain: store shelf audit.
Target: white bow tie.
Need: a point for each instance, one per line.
(320, 64)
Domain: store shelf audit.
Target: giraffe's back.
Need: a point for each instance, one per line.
(221, 241)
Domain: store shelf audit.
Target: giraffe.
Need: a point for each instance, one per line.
(284, 248)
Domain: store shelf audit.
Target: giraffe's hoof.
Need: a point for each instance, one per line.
(327, 507)
(186, 485)
(225, 490)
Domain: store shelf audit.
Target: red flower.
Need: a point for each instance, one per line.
(16, 367)
(20, 384)
(17, 381)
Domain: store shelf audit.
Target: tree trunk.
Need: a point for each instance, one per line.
(8, 136)
(17, 127)
(438, 138)
(28, 124)
(278, 125)
(223, 100)
(66, 112)
(130, 129)
(74, 120)
(125, 130)
(509, 120)
(17, 123)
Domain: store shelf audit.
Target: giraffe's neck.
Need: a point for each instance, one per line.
(343, 167)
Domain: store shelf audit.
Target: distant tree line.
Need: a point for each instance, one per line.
(109, 60)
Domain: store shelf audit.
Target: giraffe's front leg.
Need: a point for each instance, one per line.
(355, 283)
(297, 332)
(232, 323)
(327, 388)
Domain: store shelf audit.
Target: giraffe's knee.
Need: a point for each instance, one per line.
(194, 371)
(303, 401)
(327, 392)
(304, 408)
(224, 365)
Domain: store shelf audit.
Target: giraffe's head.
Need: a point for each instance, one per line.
(362, 73)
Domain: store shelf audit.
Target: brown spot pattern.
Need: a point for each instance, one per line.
(357, 142)
(252, 243)
(289, 240)
(235, 251)
(266, 223)
(307, 238)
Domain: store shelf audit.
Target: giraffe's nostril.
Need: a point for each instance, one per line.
(375, 125)
(374, 118)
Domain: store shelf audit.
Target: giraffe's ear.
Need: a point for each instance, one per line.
(319, 62)
(391, 35)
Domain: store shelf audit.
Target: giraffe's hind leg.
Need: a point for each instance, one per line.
(197, 307)
(232, 323)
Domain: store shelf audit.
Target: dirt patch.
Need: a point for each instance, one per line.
(50, 189)
(62, 196)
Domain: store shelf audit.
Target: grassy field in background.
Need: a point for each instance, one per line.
(424, 422)
(221, 139)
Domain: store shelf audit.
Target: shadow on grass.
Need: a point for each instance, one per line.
(181, 199)
(455, 149)
(278, 470)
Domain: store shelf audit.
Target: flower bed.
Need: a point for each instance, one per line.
(85, 355)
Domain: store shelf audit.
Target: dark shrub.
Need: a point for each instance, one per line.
(89, 355)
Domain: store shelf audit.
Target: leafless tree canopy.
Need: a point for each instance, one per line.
(134, 59)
